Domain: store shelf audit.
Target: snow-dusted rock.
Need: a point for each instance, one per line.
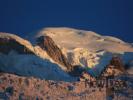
(10, 42)
(48, 45)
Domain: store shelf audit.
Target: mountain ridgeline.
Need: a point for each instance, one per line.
(51, 57)
(65, 63)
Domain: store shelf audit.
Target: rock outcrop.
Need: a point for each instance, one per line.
(9, 42)
(118, 63)
(48, 45)
(115, 68)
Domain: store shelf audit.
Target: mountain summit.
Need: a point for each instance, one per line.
(70, 39)
(82, 47)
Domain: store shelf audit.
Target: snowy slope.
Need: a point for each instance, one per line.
(31, 65)
(82, 47)
(105, 59)
(37, 63)
(71, 38)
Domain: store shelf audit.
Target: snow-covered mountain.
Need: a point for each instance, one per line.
(72, 38)
(63, 48)
(18, 56)
(64, 63)
(82, 47)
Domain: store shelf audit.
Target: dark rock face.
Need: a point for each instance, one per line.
(8, 44)
(47, 44)
(115, 68)
(117, 62)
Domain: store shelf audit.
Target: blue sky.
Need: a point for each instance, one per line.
(106, 17)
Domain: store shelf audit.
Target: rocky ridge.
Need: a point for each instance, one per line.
(28, 60)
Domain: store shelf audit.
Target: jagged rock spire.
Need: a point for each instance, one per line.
(47, 44)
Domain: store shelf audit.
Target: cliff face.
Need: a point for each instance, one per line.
(47, 44)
